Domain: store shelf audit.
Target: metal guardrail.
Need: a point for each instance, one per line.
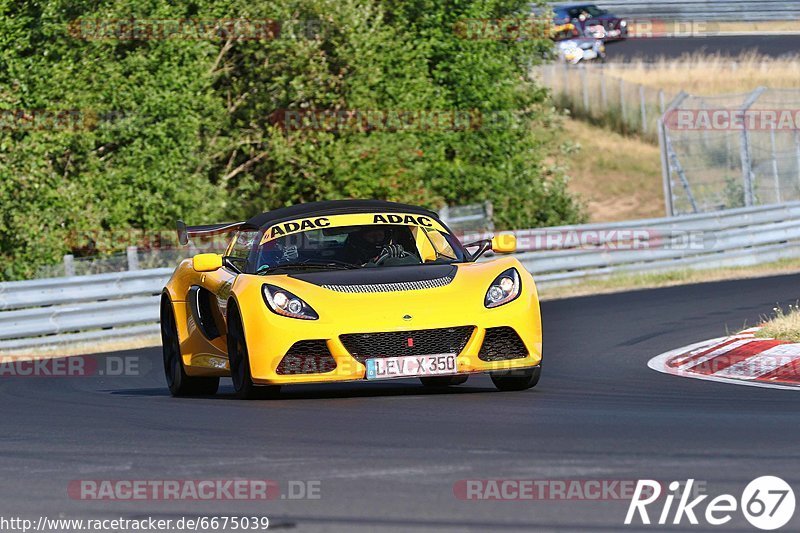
(80, 308)
(84, 308)
(736, 237)
(711, 10)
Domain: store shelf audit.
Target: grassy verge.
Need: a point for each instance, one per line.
(626, 282)
(709, 29)
(617, 177)
(783, 325)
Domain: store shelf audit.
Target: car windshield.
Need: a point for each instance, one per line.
(356, 246)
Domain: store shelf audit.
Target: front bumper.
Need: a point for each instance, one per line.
(348, 368)
(269, 336)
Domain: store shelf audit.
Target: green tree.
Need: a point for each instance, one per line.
(186, 128)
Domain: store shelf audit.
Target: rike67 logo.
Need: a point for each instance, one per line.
(767, 503)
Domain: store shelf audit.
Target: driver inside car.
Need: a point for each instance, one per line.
(374, 245)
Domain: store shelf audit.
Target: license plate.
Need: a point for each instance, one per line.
(411, 366)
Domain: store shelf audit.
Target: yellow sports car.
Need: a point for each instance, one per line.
(347, 290)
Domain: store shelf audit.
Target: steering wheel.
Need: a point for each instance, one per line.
(395, 251)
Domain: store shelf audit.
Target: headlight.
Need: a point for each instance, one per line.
(504, 288)
(282, 302)
(623, 23)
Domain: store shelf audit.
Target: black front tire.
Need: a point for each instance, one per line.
(516, 380)
(179, 383)
(438, 382)
(239, 361)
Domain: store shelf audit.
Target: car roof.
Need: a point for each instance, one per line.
(334, 207)
(572, 6)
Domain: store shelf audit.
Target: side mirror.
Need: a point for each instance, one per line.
(483, 246)
(207, 262)
(505, 243)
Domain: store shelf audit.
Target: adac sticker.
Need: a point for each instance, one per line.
(357, 219)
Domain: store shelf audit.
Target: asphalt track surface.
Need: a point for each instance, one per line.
(649, 49)
(388, 454)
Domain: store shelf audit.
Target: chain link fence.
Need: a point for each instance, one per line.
(591, 94)
(727, 151)
(718, 152)
(134, 258)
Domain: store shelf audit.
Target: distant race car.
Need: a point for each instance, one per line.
(347, 290)
(576, 51)
(591, 21)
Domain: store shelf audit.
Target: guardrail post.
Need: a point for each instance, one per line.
(744, 143)
(623, 110)
(489, 212)
(775, 176)
(643, 105)
(69, 265)
(661, 106)
(585, 90)
(667, 156)
(665, 171)
(133, 258)
(797, 152)
(603, 91)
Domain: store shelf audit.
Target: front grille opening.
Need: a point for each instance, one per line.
(363, 346)
(307, 357)
(501, 344)
(393, 287)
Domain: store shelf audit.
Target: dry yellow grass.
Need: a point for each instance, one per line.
(759, 26)
(617, 177)
(711, 74)
(644, 28)
(783, 325)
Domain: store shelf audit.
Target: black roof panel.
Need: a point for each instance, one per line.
(334, 207)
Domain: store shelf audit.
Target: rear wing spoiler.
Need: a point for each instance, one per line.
(184, 231)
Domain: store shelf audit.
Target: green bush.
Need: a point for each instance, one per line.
(174, 128)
